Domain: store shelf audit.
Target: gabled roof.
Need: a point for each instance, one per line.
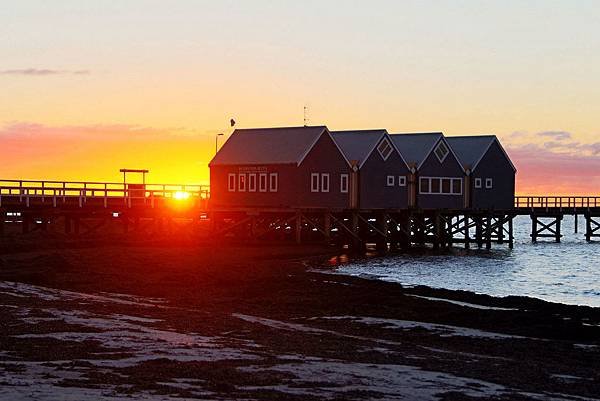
(471, 149)
(359, 144)
(285, 145)
(415, 148)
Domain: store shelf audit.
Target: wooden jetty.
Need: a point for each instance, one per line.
(84, 207)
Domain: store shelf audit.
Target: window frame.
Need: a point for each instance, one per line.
(478, 183)
(439, 183)
(439, 145)
(325, 178)
(315, 179)
(401, 180)
(390, 180)
(252, 182)
(231, 179)
(273, 178)
(242, 179)
(491, 183)
(389, 147)
(344, 183)
(262, 188)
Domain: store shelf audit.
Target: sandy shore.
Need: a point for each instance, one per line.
(185, 322)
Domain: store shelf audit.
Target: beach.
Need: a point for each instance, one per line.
(133, 320)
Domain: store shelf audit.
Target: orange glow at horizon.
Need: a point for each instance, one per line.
(548, 163)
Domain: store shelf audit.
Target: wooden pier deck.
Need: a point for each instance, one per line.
(83, 207)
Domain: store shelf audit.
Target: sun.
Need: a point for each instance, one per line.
(181, 195)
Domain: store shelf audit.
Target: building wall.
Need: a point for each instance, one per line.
(374, 191)
(294, 182)
(283, 197)
(450, 168)
(494, 165)
(325, 158)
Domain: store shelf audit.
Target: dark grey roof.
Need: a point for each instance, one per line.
(471, 149)
(415, 148)
(284, 145)
(358, 145)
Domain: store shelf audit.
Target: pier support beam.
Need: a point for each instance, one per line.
(542, 228)
(592, 227)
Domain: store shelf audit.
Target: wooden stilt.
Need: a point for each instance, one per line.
(488, 232)
(327, 226)
(298, 228)
(511, 237)
(382, 225)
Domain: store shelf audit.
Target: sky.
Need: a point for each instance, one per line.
(89, 87)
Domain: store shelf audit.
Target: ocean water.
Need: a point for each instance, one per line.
(568, 272)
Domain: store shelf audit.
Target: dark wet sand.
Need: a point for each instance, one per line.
(260, 323)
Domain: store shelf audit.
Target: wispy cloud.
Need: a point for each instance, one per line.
(557, 135)
(42, 72)
(555, 162)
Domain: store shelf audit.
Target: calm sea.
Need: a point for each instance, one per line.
(568, 272)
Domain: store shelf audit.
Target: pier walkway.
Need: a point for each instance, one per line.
(83, 207)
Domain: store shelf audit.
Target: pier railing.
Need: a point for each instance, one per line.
(557, 202)
(61, 191)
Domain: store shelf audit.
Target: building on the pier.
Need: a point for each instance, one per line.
(437, 178)
(490, 174)
(379, 175)
(300, 167)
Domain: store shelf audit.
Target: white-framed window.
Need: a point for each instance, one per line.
(457, 186)
(401, 181)
(344, 183)
(384, 148)
(391, 180)
(325, 182)
(273, 182)
(262, 182)
(477, 182)
(252, 182)
(441, 151)
(314, 182)
(489, 183)
(242, 182)
(231, 182)
(440, 186)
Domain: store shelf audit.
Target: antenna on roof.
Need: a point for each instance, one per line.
(305, 115)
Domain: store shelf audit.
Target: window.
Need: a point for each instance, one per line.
(477, 182)
(401, 181)
(424, 185)
(231, 182)
(314, 182)
(440, 185)
(488, 183)
(457, 186)
(441, 151)
(273, 182)
(242, 182)
(252, 182)
(262, 182)
(446, 185)
(344, 183)
(325, 182)
(391, 180)
(435, 185)
(385, 148)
